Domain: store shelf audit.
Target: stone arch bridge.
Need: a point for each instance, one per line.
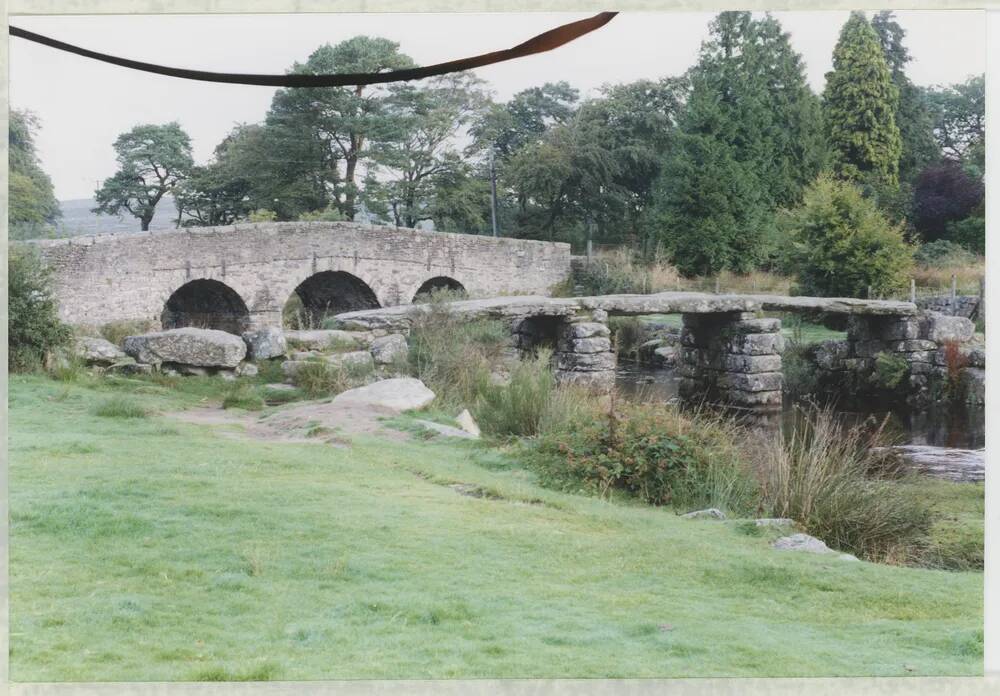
(240, 277)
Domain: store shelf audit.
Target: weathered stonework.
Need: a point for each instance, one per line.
(939, 363)
(732, 358)
(132, 276)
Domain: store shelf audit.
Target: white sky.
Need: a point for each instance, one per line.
(84, 104)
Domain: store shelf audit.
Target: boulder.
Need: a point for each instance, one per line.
(266, 343)
(187, 346)
(941, 328)
(397, 394)
(360, 360)
(467, 423)
(98, 351)
(246, 369)
(774, 522)
(707, 514)
(801, 542)
(128, 366)
(389, 349)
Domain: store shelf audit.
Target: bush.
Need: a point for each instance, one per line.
(801, 378)
(629, 333)
(243, 396)
(653, 452)
(622, 272)
(844, 245)
(34, 328)
(944, 193)
(120, 407)
(328, 214)
(943, 253)
(319, 378)
(116, 331)
(821, 475)
(970, 233)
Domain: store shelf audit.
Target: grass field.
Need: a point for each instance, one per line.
(143, 548)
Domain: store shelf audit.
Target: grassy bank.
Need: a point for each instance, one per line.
(142, 548)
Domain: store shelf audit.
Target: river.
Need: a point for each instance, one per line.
(946, 442)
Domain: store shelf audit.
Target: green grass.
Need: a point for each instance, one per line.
(150, 549)
(120, 407)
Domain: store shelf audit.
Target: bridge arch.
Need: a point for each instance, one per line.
(208, 304)
(327, 293)
(437, 283)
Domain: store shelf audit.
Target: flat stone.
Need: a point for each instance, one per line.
(774, 522)
(187, 346)
(265, 343)
(909, 346)
(830, 354)
(447, 430)
(706, 514)
(128, 366)
(397, 394)
(599, 381)
(756, 326)
(901, 329)
(387, 350)
(801, 542)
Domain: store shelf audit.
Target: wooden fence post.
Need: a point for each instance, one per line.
(913, 290)
(954, 286)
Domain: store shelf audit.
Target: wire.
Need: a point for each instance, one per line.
(546, 41)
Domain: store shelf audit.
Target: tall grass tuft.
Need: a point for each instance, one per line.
(455, 357)
(319, 378)
(243, 396)
(120, 407)
(116, 331)
(824, 475)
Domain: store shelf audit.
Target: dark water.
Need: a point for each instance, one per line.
(952, 434)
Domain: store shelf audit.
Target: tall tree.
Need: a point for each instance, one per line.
(913, 117)
(750, 140)
(152, 160)
(409, 169)
(960, 119)
(345, 121)
(524, 119)
(859, 108)
(32, 201)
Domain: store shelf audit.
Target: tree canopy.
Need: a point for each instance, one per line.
(152, 160)
(32, 201)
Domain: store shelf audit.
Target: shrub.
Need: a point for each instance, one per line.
(243, 396)
(120, 407)
(943, 253)
(890, 370)
(844, 245)
(34, 328)
(262, 215)
(944, 193)
(969, 232)
(629, 333)
(801, 378)
(653, 452)
(328, 214)
(820, 475)
(116, 331)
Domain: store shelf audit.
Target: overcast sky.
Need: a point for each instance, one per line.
(83, 104)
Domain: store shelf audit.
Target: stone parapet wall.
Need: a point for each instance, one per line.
(130, 276)
(732, 358)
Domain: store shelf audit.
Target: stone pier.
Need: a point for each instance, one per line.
(732, 358)
(581, 347)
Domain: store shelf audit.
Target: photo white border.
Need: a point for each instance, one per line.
(971, 686)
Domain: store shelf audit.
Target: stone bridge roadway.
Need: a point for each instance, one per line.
(728, 354)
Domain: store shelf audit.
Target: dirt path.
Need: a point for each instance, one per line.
(313, 421)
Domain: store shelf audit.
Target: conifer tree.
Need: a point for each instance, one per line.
(859, 107)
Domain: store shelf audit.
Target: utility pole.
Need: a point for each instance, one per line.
(493, 194)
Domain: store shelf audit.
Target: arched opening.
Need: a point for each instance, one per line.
(438, 283)
(325, 294)
(206, 304)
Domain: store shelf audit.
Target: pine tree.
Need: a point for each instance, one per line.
(859, 106)
(751, 139)
(913, 117)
